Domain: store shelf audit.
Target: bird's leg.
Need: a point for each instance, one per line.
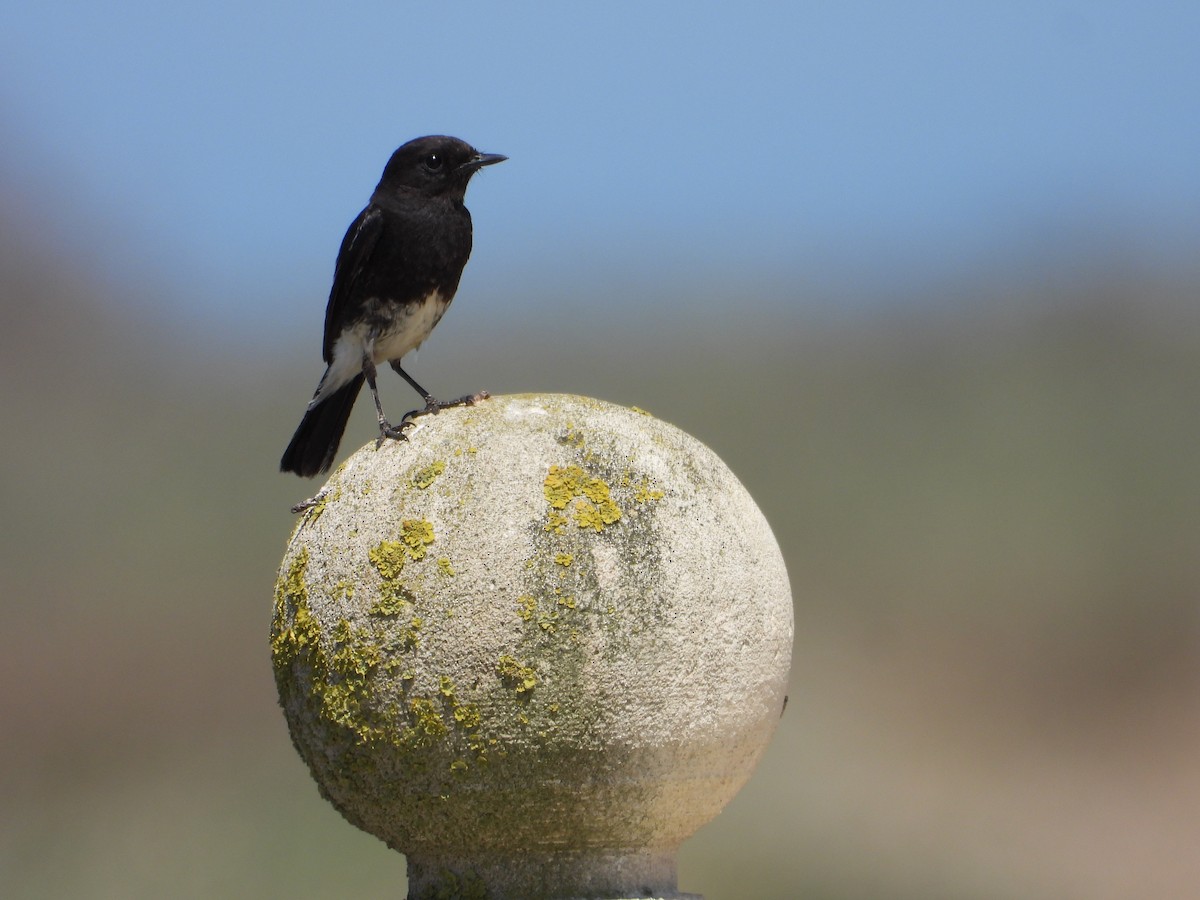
(432, 404)
(386, 429)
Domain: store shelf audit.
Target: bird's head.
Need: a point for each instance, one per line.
(436, 165)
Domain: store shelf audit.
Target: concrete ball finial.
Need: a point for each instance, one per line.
(534, 648)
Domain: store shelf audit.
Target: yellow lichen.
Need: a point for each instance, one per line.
(416, 535)
(345, 691)
(642, 492)
(301, 639)
(526, 607)
(595, 515)
(571, 436)
(561, 485)
(355, 653)
(467, 715)
(390, 603)
(410, 638)
(556, 522)
(590, 500)
(291, 586)
(426, 717)
(388, 558)
(519, 677)
(444, 566)
(595, 490)
(564, 559)
(423, 478)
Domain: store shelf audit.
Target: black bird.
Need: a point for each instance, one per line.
(397, 271)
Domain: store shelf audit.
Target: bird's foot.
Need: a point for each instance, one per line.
(395, 432)
(434, 406)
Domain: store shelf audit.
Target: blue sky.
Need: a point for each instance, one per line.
(223, 148)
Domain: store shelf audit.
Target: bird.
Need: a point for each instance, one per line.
(397, 270)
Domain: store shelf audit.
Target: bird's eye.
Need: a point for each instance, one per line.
(432, 162)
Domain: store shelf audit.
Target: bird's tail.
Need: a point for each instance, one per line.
(316, 441)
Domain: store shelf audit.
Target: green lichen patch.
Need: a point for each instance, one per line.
(467, 715)
(295, 634)
(547, 618)
(444, 566)
(426, 717)
(408, 638)
(527, 607)
(345, 693)
(521, 678)
(335, 680)
(599, 510)
(393, 600)
(355, 654)
(426, 476)
(290, 588)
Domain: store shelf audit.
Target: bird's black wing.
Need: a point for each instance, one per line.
(354, 257)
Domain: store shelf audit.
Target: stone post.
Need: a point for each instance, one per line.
(533, 648)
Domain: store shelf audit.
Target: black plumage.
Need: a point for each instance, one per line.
(397, 271)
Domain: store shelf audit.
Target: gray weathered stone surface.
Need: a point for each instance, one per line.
(535, 647)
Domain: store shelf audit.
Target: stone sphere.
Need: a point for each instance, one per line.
(542, 641)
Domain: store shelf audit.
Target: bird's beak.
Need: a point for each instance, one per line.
(479, 160)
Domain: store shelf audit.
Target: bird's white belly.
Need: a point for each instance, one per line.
(411, 325)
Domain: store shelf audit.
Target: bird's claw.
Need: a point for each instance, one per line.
(436, 406)
(432, 407)
(395, 432)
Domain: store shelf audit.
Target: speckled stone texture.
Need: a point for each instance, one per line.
(534, 647)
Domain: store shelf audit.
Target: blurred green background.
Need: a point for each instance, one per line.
(990, 520)
(969, 407)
